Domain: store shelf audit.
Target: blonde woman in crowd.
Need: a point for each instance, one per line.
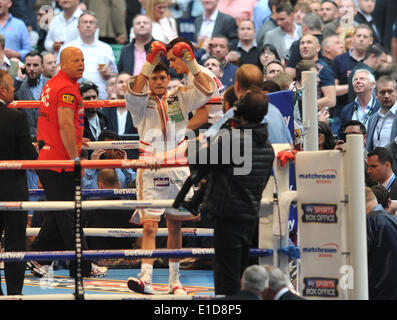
(346, 36)
(164, 26)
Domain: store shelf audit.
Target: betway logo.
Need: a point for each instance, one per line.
(323, 176)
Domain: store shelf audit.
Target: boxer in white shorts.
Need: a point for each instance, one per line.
(161, 118)
(163, 183)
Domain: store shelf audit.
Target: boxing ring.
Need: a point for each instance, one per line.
(79, 205)
(273, 233)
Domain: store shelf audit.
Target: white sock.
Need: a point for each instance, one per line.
(147, 271)
(174, 270)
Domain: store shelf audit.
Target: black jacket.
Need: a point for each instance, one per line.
(22, 92)
(225, 25)
(15, 144)
(111, 115)
(127, 58)
(360, 19)
(382, 255)
(290, 296)
(237, 197)
(103, 123)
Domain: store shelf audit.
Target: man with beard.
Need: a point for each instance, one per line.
(30, 88)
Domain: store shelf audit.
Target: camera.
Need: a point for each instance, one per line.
(193, 204)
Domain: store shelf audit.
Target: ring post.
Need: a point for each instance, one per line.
(79, 289)
(357, 230)
(309, 111)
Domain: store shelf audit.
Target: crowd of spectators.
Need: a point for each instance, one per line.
(279, 36)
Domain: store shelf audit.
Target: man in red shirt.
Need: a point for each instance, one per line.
(60, 128)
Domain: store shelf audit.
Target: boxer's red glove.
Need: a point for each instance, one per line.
(156, 51)
(182, 50)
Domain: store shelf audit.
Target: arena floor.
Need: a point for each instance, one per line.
(196, 282)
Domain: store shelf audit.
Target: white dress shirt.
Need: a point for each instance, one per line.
(280, 293)
(94, 54)
(207, 27)
(165, 29)
(121, 121)
(362, 115)
(289, 40)
(62, 30)
(383, 127)
(94, 126)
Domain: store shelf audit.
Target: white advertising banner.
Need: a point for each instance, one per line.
(321, 219)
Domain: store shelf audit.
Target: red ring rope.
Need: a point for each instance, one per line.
(89, 103)
(96, 164)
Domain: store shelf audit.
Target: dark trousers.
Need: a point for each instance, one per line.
(14, 226)
(58, 229)
(232, 242)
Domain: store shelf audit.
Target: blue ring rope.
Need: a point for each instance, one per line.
(107, 254)
(291, 251)
(90, 193)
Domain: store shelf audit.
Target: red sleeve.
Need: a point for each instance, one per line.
(67, 97)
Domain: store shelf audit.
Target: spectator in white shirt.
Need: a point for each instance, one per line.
(63, 28)
(99, 59)
(382, 125)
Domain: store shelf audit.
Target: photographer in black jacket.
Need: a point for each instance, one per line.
(233, 197)
(238, 165)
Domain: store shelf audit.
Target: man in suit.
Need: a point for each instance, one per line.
(286, 33)
(382, 248)
(364, 15)
(270, 24)
(94, 120)
(384, 16)
(213, 22)
(380, 170)
(382, 126)
(30, 88)
(365, 104)
(277, 288)
(133, 54)
(15, 144)
(254, 281)
(119, 118)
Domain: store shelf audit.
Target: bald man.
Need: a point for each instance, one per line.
(60, 127)
(310, 48)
